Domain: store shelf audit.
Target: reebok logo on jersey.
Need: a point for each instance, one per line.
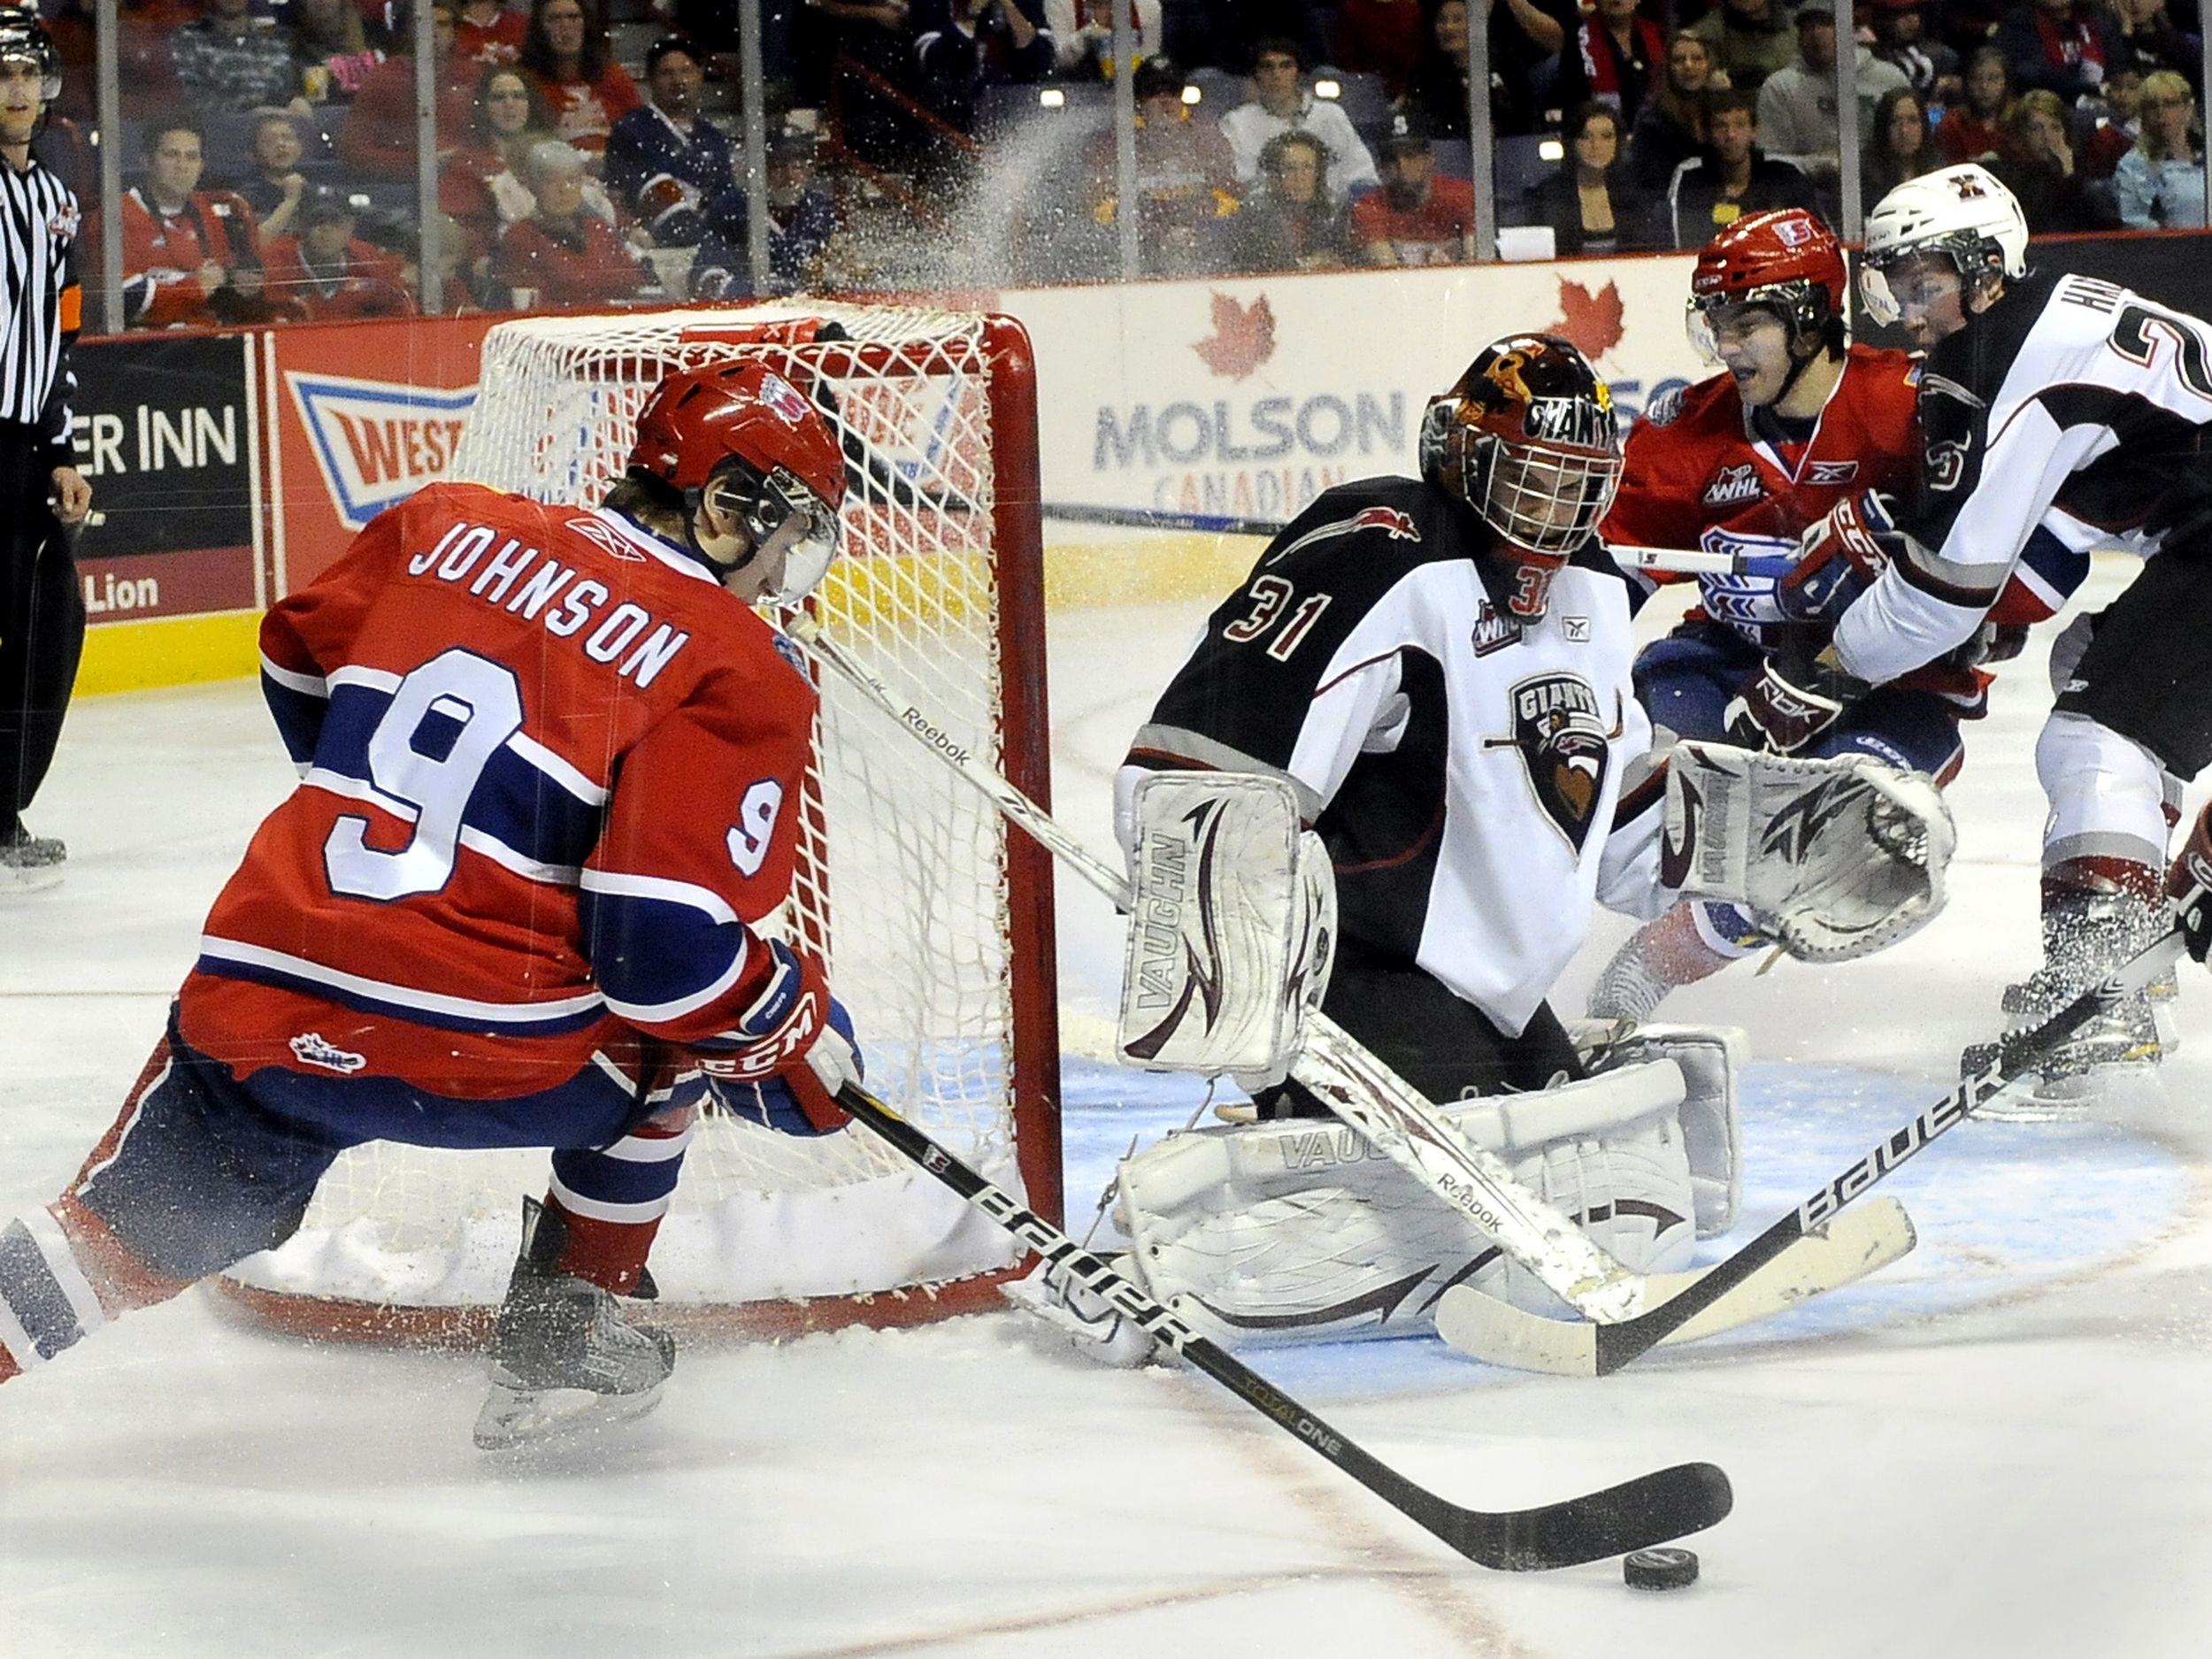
(603, 536)
(1832, 472)
(1576, 629)
(1563, 742)
(1732, 485)
(311, 1048)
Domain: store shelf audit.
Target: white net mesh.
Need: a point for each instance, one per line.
(903, 871)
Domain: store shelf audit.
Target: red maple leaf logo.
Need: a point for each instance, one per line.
(1243, 337)
(1589, 322)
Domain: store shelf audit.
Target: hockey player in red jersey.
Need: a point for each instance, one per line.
(1800, 429)
(551, 761)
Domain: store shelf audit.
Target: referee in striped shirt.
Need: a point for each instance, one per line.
(42, 613)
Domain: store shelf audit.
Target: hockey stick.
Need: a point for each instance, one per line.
(1840, 1253)
(1593, 1350)
(1338, 1070)
(1698, 561)
(1649, 1509)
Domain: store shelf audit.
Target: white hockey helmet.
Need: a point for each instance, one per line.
(1962, 212)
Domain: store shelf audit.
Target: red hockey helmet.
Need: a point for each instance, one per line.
(1528, 439)
(1784, 260)
(744, 437)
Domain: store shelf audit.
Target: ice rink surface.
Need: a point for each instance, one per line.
(1998, 1447)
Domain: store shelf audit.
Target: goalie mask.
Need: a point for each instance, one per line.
(1527, 438)
(1785, 263)
(741, 439)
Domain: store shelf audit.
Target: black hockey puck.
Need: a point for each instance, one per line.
(1659, 1569)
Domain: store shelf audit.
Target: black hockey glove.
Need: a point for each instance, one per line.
(1793, 698)
(2189, 884)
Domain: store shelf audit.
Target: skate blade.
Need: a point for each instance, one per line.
(530, 1417)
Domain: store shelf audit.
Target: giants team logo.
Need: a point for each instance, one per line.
(377, 443)
(1565, 743)
(1733, 485)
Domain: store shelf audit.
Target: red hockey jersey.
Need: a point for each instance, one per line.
(1697, 476)
(551, 774)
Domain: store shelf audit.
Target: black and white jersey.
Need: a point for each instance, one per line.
(2070, 405)
(1463, 767)
(39, 323)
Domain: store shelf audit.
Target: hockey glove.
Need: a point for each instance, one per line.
(790, 1037)
(2189, 885)
(1838, 557)
(1795, 697)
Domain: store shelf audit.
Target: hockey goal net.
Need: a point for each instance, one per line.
(936, 923)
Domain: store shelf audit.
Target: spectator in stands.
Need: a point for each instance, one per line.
(1419, 216)
(325, 275)
(2040, 164)
(804, 228)
(963, 46)
(1615, 55)
(2160, 183)
(1186, 178)
(1380, 37)
(1589, 203)
(562, 257)
(2116, 116)
(1749, 40)
(2062, 46)
(666, 161)
(1797, 105)
(1221, 34)
(190, 256)
(2147, 40)
(1974, 129)
(1899, 144)
(489, 32)
(1083, 36)
(1671, 128)
(379, 140)
(1280, 104)
(1901, 40)
(1524, 39)
(1295, 220)
(585, 90)
(1731, 176)
(275, 186)
(505, 158)
(233, 60)
(335, 50)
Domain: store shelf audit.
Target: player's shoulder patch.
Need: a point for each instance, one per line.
(1666, 408)
(1386, 513)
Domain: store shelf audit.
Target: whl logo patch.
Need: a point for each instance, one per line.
(311, 1048)
(376, 442)
(1734, 484)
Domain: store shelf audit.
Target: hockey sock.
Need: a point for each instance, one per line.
(62, 1274)
(613, 1198)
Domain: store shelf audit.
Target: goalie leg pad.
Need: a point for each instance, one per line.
(1232, 925)
(1711, 1059)
(1834, 858)
(1299, 1229)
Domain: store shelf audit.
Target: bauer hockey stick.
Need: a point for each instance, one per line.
(1354, 1084)
(1491, 1330)
(1649, 1509)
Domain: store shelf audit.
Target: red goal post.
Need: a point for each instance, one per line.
(936, 920)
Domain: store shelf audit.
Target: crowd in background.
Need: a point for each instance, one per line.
(588, 160)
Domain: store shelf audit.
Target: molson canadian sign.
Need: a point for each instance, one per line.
(1246, 397)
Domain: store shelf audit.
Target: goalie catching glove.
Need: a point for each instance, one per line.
(795, 1044)
(1832, 858)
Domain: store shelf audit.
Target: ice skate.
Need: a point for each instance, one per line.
(2086, 935)
(565, 1358)
(30, 863)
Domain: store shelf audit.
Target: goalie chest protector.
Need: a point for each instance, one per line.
(1462, 765)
